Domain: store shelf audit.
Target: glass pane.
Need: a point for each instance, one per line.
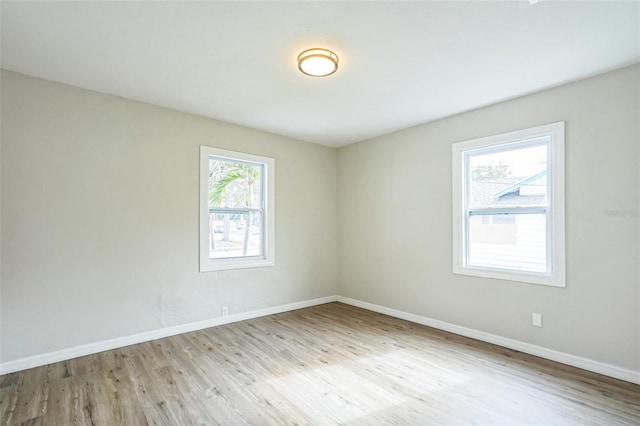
(513, 241)
(234, 184)
(508, 178)
(235, 235)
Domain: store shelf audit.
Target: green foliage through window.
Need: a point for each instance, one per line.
(235, 203)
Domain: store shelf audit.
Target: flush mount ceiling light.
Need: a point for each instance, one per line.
(318, 62)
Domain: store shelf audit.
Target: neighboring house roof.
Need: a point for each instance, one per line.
(509, 191)
(515, 188)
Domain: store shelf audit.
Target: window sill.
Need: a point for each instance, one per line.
(229, 264)
(523, 277)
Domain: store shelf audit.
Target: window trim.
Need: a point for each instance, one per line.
(268, 183)
(556, 212)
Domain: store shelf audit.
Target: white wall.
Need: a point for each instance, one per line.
(394, 223)
(100, 219)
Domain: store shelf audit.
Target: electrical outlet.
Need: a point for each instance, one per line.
(536, 320)
(224, 311)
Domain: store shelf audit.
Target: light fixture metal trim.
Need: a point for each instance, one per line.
(318, 62)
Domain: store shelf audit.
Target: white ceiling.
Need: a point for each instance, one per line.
(401, 63)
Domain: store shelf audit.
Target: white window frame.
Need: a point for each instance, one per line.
(268, 241)
(555, 214)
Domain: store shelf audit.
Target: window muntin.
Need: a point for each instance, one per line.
(509, 206)
(236, 223)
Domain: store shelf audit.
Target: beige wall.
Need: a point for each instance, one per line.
(394, 223)
(100, 219)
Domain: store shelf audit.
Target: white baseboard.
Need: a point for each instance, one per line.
(105, 345)
(564, 358)
(92, 348)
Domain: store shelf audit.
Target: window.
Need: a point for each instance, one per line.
(508, 206)
(236, 210)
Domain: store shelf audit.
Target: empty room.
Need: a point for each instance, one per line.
(318, 212)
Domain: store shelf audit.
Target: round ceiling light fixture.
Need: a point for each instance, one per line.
(318, 62)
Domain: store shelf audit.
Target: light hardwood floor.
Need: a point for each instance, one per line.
(330, 364)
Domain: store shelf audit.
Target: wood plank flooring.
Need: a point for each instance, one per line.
(330, 364)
